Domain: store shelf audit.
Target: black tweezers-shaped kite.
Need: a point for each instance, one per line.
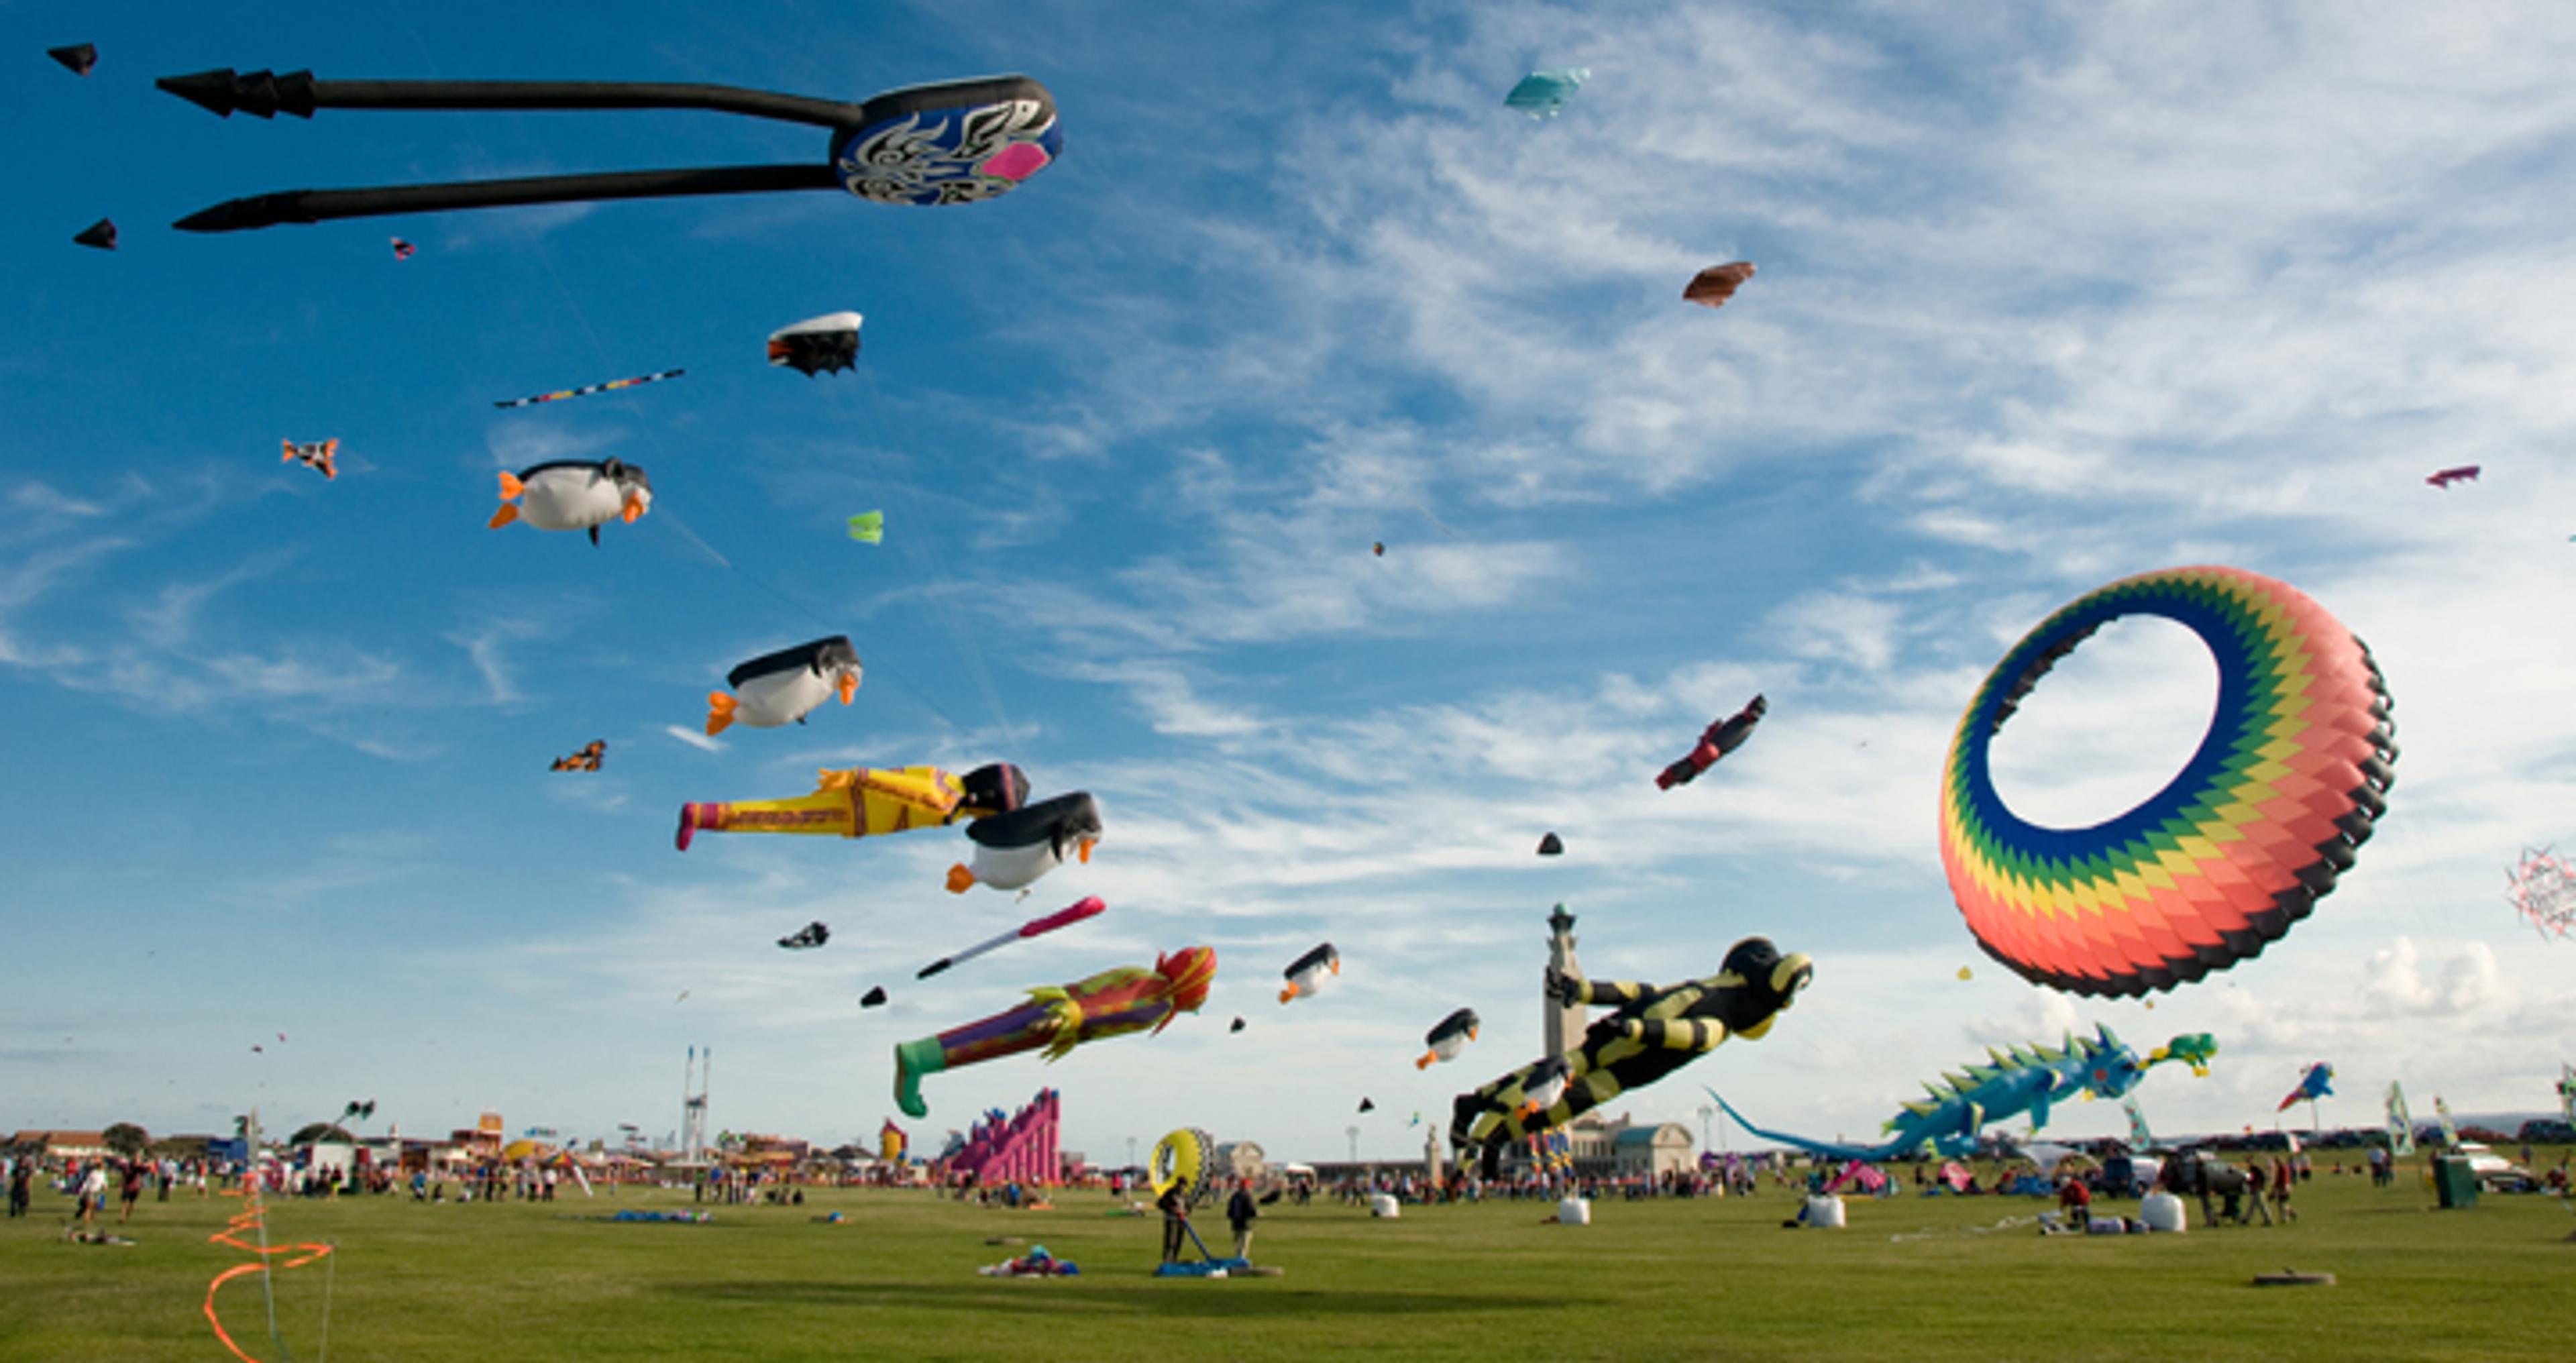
(954, 142)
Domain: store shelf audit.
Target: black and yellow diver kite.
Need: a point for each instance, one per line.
(1655, 1030)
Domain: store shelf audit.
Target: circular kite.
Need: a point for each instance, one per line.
(2295, 768)
(1186, 1157)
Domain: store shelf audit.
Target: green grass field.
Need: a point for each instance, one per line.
(1668, 1279)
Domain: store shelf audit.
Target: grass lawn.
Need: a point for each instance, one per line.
(1668, 1279)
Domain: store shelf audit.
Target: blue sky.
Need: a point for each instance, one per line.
(2048, 295)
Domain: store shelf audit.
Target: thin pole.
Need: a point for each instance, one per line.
(321, 205)
(266, 94)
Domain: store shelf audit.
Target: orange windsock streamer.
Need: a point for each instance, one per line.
(252, 1217)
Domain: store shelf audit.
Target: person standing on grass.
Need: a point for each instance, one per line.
(2281, 1193)
(130, 1189)
(1175, 1205)
(93, 1193)
(1240, 1213)
(21, 1187)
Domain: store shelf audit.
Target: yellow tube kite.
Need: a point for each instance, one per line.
(866, 802)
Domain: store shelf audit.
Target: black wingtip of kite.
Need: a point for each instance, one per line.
(262, 94)
(232, 215)
(77, 58)
(100, 234)
(213, 91)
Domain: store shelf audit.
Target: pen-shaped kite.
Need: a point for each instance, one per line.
(955, 142)
(1035, 927)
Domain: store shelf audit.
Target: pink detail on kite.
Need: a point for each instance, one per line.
(1016, 162)
(2543, 891)
(2465, 472)
(1065, 917)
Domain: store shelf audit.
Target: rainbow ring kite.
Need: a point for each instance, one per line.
(2294, 769)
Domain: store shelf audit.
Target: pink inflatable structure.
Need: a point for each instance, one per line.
(1017, 1149)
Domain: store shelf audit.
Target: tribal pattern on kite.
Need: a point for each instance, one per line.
(1720, 738)
(320, 454)
(574, 494)
(2543, 891)
(955, 142)
(584, 758)
(2030, 1079)
(2241, 844)
(1654, 1030)
(866, 802)
(1110, 1004)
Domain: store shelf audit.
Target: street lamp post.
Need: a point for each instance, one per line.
(1131, 1152)
(1707, 1115)
(1354, 1133)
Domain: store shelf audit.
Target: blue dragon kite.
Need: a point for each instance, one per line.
(2028, 1079)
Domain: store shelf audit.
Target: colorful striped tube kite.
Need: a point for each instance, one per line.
(1111, 1003)
(2295, 769)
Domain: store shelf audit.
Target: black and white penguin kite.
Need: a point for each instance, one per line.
(574, 494)
(1306, 974)
(1013, 849)
(782, 688)
(818, 345)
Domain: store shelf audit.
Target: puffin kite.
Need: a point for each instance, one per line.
(320, 454)
(1013, 849)
(1449, 1038)
(586, 758)
(818, 345)
(574, 494)
(781, 688)
(1306, 974)
(809, 936)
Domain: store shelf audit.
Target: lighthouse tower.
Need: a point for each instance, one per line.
(1561, 1024)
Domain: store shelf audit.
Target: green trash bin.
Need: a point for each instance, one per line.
(2454, 1182)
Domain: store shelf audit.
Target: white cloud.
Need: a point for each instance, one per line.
(693, 738)
(2397, 982)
